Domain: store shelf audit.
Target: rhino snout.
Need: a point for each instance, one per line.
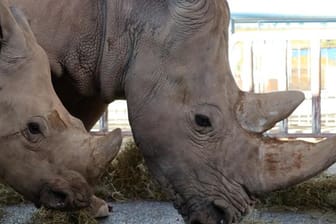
(71, 192)
(215, 212)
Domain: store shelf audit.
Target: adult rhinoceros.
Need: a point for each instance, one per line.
(45, 153)
(200, 135)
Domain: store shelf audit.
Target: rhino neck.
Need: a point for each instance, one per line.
(127, 23)
(115, 54)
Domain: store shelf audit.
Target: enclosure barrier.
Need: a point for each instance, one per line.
(286, 51)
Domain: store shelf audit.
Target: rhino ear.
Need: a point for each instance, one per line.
(260, 112)
(13, 44)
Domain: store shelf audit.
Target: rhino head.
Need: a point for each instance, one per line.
(201, 136)
(45, 153)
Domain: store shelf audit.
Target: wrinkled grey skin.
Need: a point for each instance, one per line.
(39, 139)
(200, 135)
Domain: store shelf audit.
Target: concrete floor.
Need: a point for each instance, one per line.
(164, 213)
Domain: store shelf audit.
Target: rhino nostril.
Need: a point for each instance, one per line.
(57, 199)
(53, 198)
(223, 212)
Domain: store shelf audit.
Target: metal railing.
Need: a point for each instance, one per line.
(262, 46)
(114, 117)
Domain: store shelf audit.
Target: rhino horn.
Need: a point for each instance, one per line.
(105, 149)
(282, 164)
(13, 42)
(260, 112)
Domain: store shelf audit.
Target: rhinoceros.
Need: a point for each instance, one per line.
(201, 136)
(45, 153)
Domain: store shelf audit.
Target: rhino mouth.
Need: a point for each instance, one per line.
(62, 199)
(64, 195)
(54, 199)
(210, 210)
(205, 214)
(209, 213)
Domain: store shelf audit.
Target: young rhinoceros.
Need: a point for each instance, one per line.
(45, 153)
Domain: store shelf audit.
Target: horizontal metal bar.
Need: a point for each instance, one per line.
(128, 133)
(302, 135)
(269, 19)
(313, 34)
(282, 10)
(123, 133)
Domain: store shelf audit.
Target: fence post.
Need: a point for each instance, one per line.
(316, 85)
(103, 122)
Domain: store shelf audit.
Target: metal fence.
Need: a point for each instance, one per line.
(116, 116)
(279, 54)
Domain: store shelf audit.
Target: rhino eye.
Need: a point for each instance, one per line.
(34, 128)
(202, 120)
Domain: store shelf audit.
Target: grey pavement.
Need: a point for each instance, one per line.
(164, 213)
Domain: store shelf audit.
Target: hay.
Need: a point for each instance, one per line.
(316, 193)
(127, 178)
(9, 197)
(45, 216)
